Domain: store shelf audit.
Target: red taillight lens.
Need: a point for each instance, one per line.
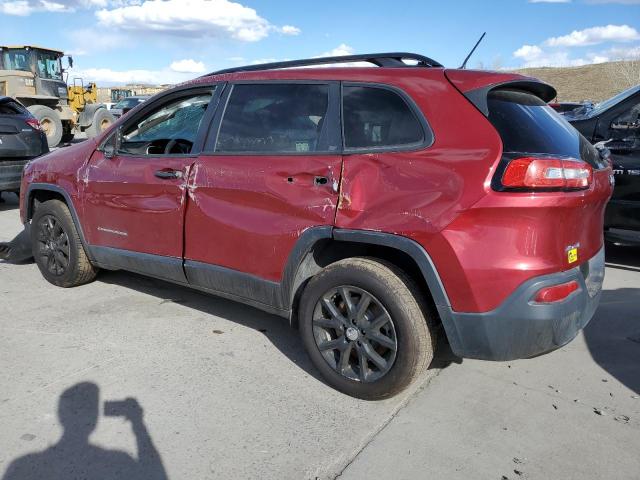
(547, 173)
(33, 123)
(556, 293)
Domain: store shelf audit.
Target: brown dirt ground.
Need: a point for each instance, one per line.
(590, 82)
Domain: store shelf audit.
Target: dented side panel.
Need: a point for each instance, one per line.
(247, 212)
(128, 207)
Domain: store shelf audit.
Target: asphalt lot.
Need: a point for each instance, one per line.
(227, 392)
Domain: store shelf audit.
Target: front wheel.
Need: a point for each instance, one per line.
(364, 326)
(57, 248)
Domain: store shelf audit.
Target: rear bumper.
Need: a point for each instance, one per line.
(521, 328)
(11, 174)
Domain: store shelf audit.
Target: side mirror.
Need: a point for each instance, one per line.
(70, 60)
(109, 150)
(111, 146)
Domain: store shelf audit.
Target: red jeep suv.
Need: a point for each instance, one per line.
(369, 206)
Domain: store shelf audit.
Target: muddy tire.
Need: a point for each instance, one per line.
(50, 122)
(365, 327)
(57, 248)
(102, 120)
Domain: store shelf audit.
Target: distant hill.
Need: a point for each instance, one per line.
(590, 82)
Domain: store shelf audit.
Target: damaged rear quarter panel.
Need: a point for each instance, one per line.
(417, 194)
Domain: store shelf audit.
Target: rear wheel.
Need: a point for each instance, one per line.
(365, 329)
(102, 120)
(50, 123)
(57, 248)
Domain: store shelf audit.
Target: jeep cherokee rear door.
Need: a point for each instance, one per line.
(270, 170)
(135, 196)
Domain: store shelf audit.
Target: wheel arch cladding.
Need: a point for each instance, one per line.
(43, 192)
(330, 245)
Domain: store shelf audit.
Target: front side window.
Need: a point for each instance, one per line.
(378, 117)
(49, 66)
(16, 59)
(171, 128)
(274, 118)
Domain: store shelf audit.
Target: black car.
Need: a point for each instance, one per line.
(21, 139)
(615, 124)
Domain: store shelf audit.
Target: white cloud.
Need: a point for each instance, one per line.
(19, 8)
(27, 7)
(108, 76)
(339, 51)
(594, 36)
(198, 18)
(290, 30)
(528, 52)
(187, 65)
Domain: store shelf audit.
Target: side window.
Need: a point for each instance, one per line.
(274, 118)
(378, 117)
(168, 129)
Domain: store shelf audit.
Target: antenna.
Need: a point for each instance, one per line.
(464, 64)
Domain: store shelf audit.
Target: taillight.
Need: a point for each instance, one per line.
(545, 173)
(556, 293)
(34, 123)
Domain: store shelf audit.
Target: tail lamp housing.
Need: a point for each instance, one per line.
(34, 123)
(540, 173)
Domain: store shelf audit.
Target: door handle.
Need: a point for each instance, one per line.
(168, 173)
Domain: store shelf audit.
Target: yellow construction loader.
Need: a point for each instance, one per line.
(35, 77)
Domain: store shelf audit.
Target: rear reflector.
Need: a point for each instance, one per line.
(533, 173)
(556, 293)
(33, 123)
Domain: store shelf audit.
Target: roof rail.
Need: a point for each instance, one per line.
(391, 59)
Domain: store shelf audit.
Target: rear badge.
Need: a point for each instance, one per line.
(572, 253)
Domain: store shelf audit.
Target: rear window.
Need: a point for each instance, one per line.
(378, 117)
(526, 124)
(11, 108)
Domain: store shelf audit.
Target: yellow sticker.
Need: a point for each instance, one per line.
(572, 255)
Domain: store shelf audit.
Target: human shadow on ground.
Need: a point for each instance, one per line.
(73, 456)
(613, 335)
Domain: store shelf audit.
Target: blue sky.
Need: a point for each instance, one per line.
(165, 41)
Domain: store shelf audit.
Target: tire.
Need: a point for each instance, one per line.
(391, 293)
(49, 250)
(50, 122)
(102, 120)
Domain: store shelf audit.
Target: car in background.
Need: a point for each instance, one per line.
(570, 107)
(21, 139)
(126, 104)
(615, 124)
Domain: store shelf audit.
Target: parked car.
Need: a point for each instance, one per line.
(615, 124)
(21, 139)
(368, 206)
(570, 107)
(126, 104)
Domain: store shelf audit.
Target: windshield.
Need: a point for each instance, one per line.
(128, 103)
(602, 106)
(16, 59)
(49, 65)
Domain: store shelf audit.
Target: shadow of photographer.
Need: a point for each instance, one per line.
(73, 456)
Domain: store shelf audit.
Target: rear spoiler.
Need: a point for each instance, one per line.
(476, 85)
